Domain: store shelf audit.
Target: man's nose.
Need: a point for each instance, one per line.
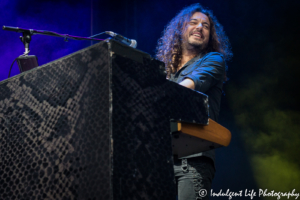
(199, 26)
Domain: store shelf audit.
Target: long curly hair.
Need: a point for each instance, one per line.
(169, 48)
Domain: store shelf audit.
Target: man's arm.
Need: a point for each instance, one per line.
(208, 73)
(189, 83)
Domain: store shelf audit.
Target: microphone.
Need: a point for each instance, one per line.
(130, 42)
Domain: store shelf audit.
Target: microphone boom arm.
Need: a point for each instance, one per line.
(49, 33)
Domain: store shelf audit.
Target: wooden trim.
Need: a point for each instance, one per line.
(213, 132)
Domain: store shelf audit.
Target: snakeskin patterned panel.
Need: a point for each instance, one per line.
(144, 103)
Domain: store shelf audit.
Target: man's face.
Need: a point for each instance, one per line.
(197, 32)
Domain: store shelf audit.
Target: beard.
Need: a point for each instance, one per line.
(198, 44)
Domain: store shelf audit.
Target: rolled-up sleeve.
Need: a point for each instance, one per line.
(208, 72)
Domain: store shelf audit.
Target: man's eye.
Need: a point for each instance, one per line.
(206, 26)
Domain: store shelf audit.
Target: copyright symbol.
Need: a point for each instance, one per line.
(202, 193)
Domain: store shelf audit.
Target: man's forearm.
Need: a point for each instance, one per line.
(189, 83)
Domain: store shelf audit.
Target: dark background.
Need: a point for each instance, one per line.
(260, 105)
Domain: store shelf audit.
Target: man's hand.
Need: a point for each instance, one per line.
(189, 83)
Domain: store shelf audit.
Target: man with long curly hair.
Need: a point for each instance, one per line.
(194, 48)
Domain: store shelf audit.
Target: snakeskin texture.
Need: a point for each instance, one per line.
(92, 125)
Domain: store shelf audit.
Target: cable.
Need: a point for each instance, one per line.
(15, 61)
(11, 66)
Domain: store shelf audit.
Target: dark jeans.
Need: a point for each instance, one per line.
(193, 177)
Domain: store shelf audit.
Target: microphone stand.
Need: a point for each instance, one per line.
(26, 62)
(27, 33)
